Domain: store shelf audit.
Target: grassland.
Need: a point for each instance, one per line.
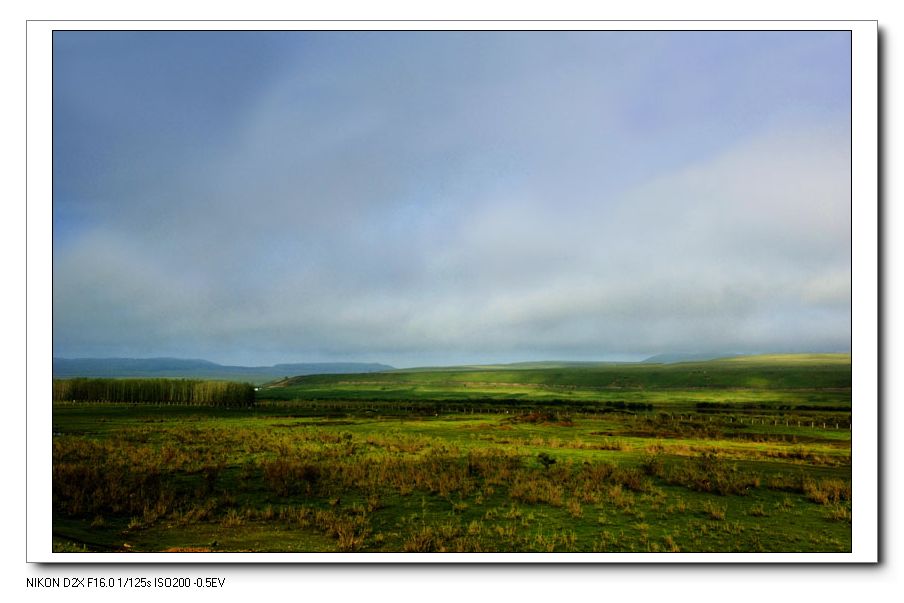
(736, 455)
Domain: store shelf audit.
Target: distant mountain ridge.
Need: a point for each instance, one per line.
(673, 357)
(202, 369)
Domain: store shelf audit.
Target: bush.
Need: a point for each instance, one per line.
(287, 477)
(652, 464)
(710, 473)
(826, 491)
(546, 460)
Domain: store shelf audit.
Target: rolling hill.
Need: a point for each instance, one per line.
(200, 369)
(800, 372)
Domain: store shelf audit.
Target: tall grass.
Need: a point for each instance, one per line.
(354, 483)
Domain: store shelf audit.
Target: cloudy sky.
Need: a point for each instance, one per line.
(450, 197)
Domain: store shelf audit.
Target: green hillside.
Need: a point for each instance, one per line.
(772, 373)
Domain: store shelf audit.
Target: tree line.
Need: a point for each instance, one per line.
(154, 391)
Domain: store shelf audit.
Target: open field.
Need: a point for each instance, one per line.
(736, 455)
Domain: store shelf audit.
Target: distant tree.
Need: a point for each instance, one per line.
(546, 460)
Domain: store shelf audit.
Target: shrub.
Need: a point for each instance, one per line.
(826, 491)
(710, 473)
(287, 477)
(652, 464)
(546, 460)
(714, 511)
(757, 511)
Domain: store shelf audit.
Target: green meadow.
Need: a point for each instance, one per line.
(749, 454)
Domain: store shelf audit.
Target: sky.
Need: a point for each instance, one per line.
(427, 198)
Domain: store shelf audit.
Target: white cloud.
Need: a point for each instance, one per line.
(420, 209)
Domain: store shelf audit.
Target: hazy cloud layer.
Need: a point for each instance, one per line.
(418, 198)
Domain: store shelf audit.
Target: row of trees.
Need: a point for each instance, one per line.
(154, 391)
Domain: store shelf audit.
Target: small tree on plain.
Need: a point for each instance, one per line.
(546, 460)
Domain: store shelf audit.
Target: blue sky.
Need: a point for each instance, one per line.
(449, 197)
